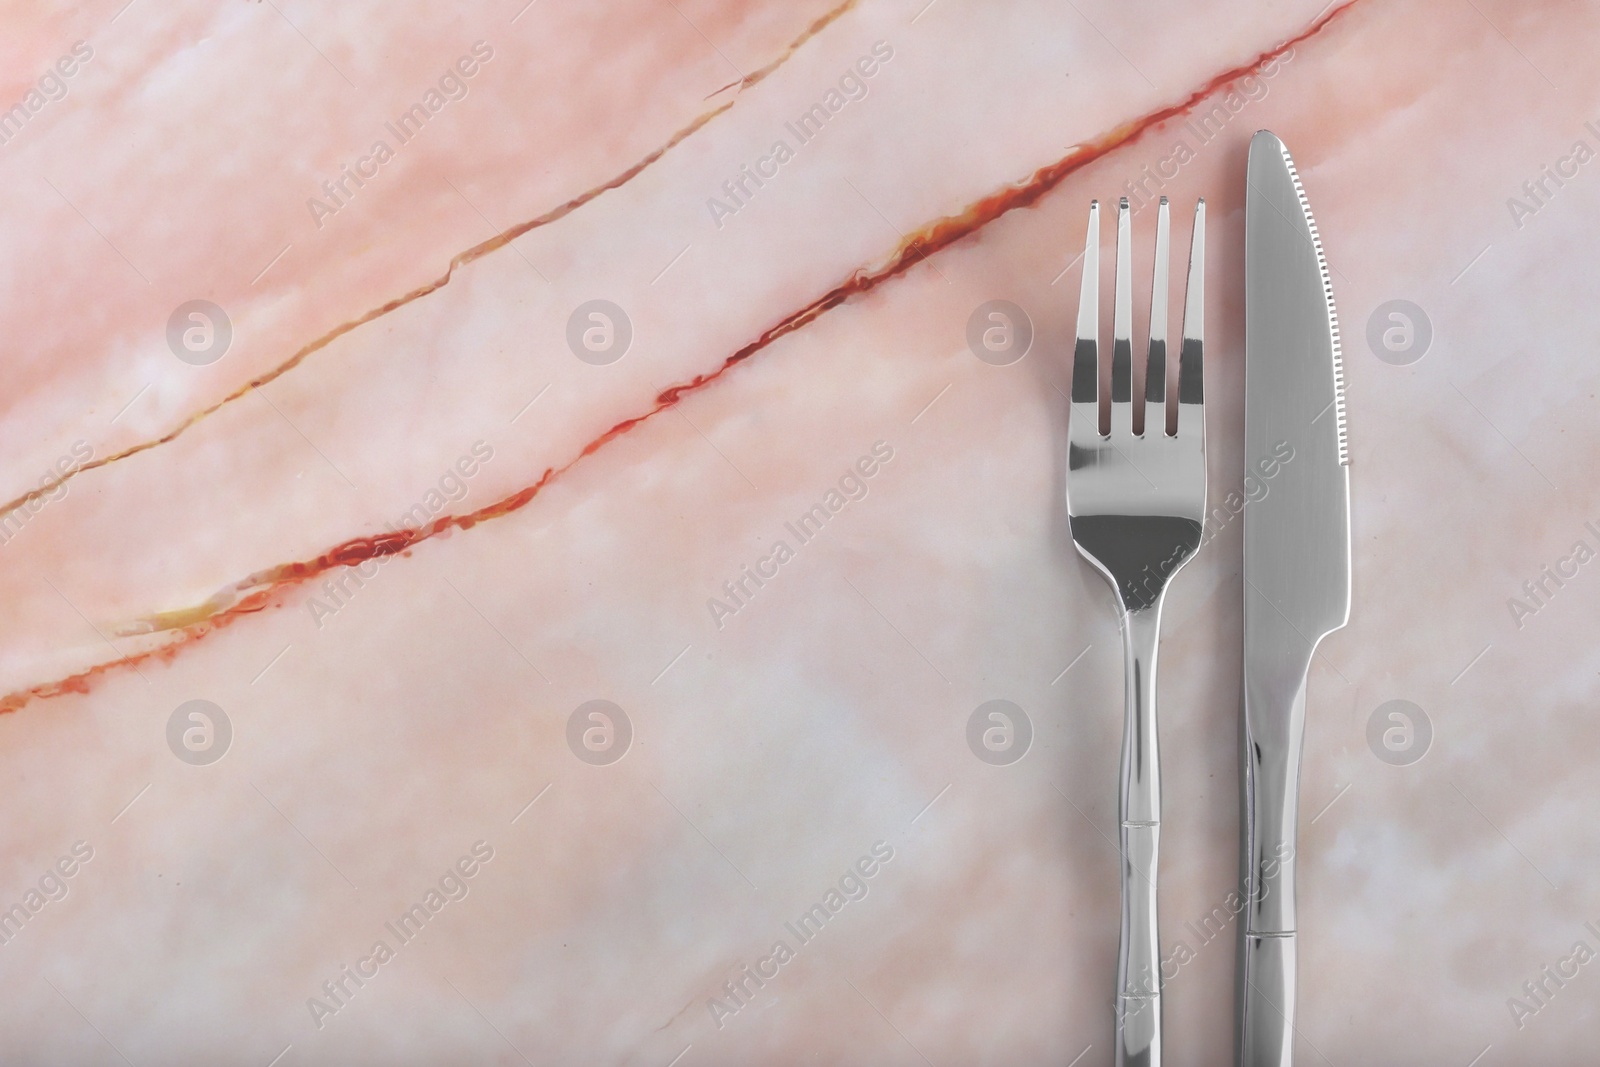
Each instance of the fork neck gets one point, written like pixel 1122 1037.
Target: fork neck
pixel 1140 622
pixel 1141 780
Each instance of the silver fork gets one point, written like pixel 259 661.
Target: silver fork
pixel 1136 503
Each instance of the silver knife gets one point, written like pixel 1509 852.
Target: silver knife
pixel 1296 569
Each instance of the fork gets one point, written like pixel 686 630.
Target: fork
pixel 1136 502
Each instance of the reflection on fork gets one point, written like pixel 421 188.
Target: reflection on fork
pixel 1136 503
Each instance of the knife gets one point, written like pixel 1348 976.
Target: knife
pixel 1296 570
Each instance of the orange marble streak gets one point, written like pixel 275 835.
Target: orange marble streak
pixel 262 588
pixel 461 259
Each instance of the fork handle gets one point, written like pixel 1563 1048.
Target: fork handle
pixel 1138 1035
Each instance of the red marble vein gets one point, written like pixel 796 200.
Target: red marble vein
pixel 461 259
pixel 266 588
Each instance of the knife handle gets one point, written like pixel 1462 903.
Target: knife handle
pixel 1138 1004
pixel 1266 1004
pixel 1273 729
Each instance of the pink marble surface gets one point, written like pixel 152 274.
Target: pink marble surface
pixel 398 731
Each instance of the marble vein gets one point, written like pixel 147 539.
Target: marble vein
pixel 258 591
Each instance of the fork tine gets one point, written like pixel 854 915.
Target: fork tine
pixel 1155 378
pixel 1084 424
pixel 1122 328
pixel 1191 360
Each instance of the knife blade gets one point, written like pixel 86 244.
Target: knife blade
pixel 1296 569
